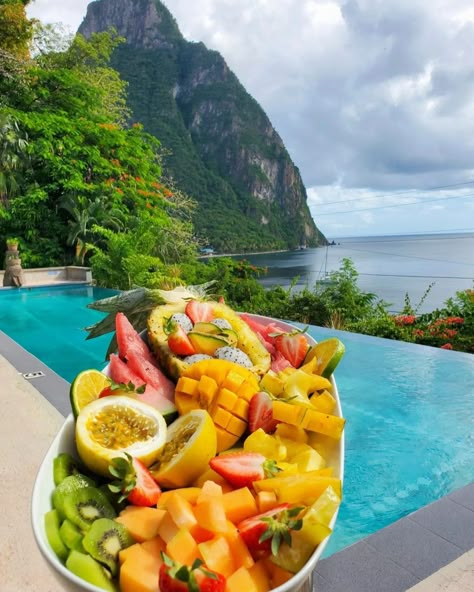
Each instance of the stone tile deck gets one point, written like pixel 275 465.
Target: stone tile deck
pixel 431 550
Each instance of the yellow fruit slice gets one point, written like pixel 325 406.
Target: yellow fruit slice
pixel 85 388
pixel 191 442
pixel 328 353
pixel 115 425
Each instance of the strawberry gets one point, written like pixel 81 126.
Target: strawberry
pixel 264 533
pixel 293 346
pixel 175 577
pixel 178 340
pixel 241 469
pixel 261 414
pixel 120 388
pixel 134 481
pixel 199 311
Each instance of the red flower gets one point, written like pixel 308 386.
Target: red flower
pixel 447 346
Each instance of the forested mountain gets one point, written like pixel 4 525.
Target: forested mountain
pixel 223 150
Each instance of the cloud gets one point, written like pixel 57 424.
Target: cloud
pixel 368 95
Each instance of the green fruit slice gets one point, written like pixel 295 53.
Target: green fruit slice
pixel 87 568
pixel 51 527
pixel 206 343
pixel 85 388
pixel 328 353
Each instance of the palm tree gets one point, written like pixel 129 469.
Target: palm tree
pixel 84 215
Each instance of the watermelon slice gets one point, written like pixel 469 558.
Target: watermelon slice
pixel 150 373
pixel 128 339
pixel 119 372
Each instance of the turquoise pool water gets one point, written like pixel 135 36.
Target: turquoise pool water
pixel 49 323
pixel 409 408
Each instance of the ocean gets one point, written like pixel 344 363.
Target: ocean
pixel 388 266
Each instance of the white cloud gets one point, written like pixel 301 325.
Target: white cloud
pixel 370 96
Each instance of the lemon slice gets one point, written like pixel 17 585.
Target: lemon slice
pixel 115 425
pixel 85 388
pixel 191 442
pixel 328 353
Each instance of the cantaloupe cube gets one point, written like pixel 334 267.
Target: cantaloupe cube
pixel 181 512
pixel 138 573
pixel 141 522
pixel 266 500
pixel 278 575
pixel 260 576
pixel 209 489
pixel 240 553
pixel 217 555
pixel 154 546
pixel 189 493
pixel 240 580
pixel 134 552
pixel 183 548
pixel 210 514
pixel 239 504
pixel 211 475
pixel 167 529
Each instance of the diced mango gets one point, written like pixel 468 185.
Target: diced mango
pixel 188 386
pixel 324 402
pixel 207 390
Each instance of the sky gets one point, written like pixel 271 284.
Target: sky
pixel 374 100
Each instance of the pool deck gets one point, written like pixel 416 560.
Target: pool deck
pixel 431 550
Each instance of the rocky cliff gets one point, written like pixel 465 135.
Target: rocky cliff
pixel 223 150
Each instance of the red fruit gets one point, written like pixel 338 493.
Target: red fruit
pixel 261 414
pixel 128 339
pixel 178 340
pixel 199 311
pixel 148 371
pixel 175 577
pixel 134 482
pixel 279 362
pixel 264 533
pixel 293 346
pixel 241 469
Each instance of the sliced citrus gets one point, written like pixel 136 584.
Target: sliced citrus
pixel 191 442
pixel 328 353
pixel 86 388
pixel 115 425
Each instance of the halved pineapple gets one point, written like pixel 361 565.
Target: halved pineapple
pixel 174 366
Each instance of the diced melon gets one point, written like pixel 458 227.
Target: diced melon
pixel 240 553
pixel 168 528
pixel 266 500
pixel 240 580
pixel 181 512
pixel 217 555
pixel 183 548
pixel 260 576
pixel 138 573
pixel 141 522
pixel 239 504
pixel 211 475
pixel 209 489
pixel 278 575
pixel 189 493
pixel 210 514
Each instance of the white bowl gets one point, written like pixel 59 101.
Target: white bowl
pixel 64 442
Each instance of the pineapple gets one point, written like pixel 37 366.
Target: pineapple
pixel 175 366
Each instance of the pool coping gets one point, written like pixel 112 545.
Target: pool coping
pixel 427 551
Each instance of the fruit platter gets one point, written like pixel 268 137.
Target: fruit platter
pixel 207 455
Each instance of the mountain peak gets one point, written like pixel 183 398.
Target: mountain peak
pixel 143 23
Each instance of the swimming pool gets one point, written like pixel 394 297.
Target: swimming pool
pixel 49 322
pixel 409 408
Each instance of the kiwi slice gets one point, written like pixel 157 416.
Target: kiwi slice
pixel 103 541
pixel 71 535
pixel 52 528
pixel 83 506
pixel 86 567
pixel 65 465
pixel 67 485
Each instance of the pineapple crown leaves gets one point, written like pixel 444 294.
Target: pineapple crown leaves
pixel 126 477
pixel 279 528
pixel 186 574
